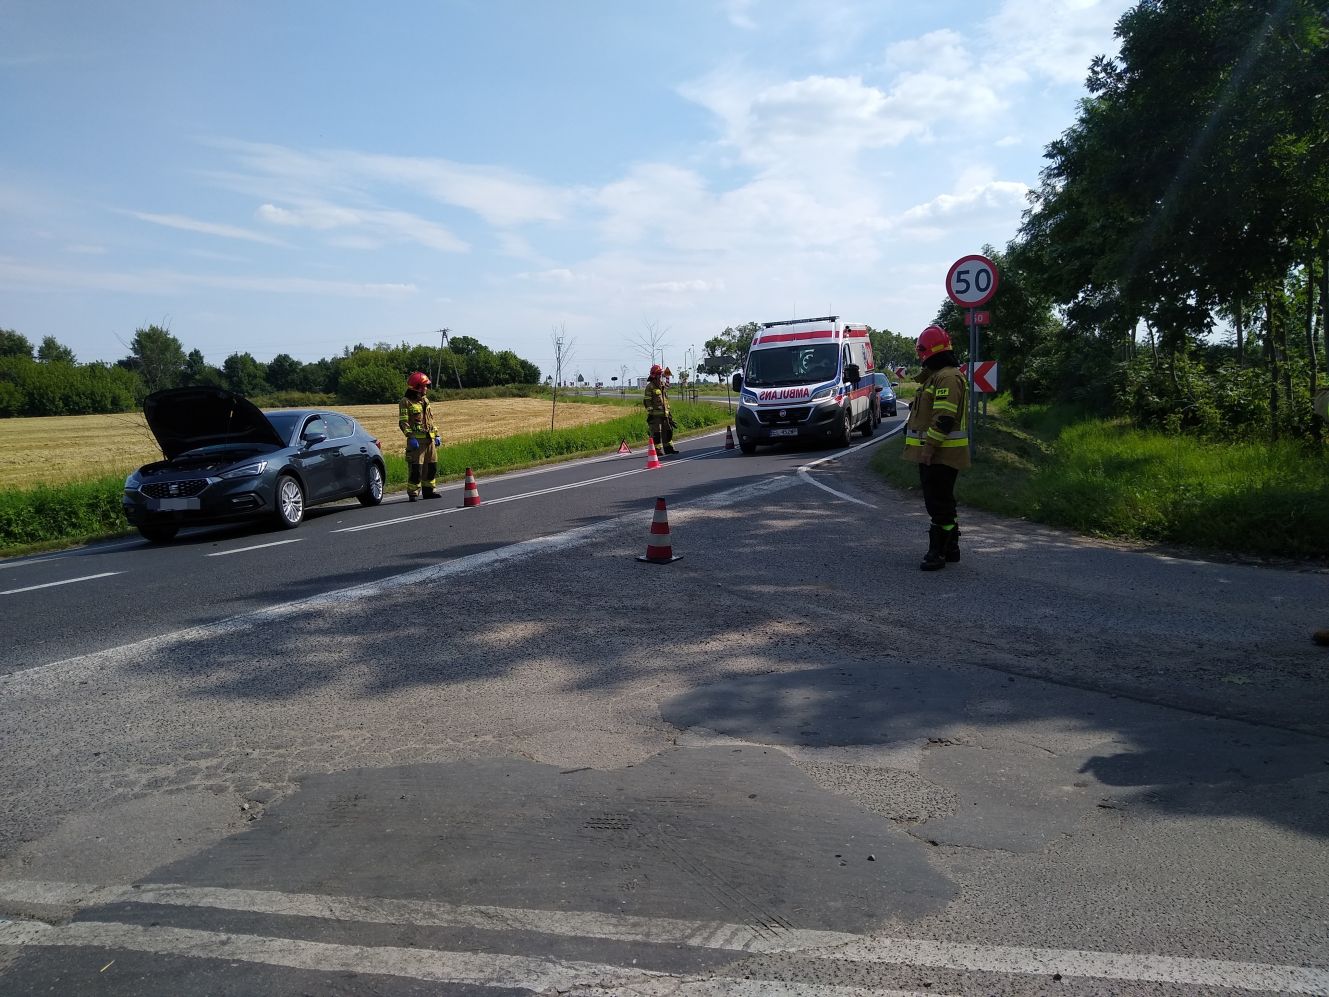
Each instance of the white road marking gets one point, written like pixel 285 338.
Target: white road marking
pixel 241 550
pixel 433 965
pixel 52 674
pixel 67 581
pixel 809 479
pixel 733 987
pixel 625 928
pixel 1086 964
pixel 534 973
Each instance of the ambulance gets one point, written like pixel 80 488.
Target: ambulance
pixel 806 379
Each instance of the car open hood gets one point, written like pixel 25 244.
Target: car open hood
pixel 184 419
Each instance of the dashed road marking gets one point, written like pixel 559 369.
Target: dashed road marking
pixel 67 581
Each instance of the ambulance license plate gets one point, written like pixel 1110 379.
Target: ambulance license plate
pixel 784 432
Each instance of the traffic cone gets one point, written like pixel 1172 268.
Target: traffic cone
pixel 623 446
pixel 471 493
pixel 652 458
pixel 729 438
pixel 659 550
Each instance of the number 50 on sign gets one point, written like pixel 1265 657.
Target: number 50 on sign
pixel 972 281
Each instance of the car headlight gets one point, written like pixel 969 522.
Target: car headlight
pixel 131 482
pixel 825 392
pixel 749 400
pixel 248 471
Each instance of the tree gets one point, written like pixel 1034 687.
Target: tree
pixel 12 344
pixel 650 342
pixel 733 342
pixel 52 350
pixel 369 379
pixel 158 358
pixel 199 372
pixel 283 372
pixel 244 375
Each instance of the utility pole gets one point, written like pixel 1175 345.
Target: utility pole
pixel 456 368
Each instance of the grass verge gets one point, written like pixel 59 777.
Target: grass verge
pixel 1104 478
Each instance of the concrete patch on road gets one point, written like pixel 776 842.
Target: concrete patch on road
pixel 733 835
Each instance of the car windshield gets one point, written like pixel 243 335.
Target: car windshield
pixel 792 365
pixel 284 422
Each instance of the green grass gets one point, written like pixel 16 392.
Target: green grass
pixel 1107 479
pixel 50 516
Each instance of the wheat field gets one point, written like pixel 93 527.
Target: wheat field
pixel 60 449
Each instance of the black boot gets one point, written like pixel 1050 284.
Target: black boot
pixel 953 545
pixel 935 558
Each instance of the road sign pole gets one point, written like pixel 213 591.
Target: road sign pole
pixel 972 400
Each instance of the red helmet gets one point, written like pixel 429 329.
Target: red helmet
pixel 418 381
pixel 933 340
pixel 655 370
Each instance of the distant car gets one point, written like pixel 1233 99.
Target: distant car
pixel 885 392
pixel 227 460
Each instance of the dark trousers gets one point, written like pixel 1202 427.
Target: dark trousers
pixel 938 483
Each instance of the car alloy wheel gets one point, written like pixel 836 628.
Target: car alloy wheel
pixel 290 502
pixel 373 493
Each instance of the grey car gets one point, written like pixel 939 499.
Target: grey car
pixel 228 460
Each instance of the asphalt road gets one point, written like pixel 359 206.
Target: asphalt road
pixel 422 749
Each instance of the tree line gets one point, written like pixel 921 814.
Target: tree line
pixel 49 380
pixel 1173 264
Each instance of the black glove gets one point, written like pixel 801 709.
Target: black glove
pixel 672 423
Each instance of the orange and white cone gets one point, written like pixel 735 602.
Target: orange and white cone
pixel 652 458
pixel 729 437
pixel 659 549
pixel 471 494
pixel 623 446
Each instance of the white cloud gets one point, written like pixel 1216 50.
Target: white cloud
pixel 739 13
pixel 1053 40
pixel 557 275
pixel 684 286
pixel 186 224
pixel 994 206
pixel 501 197
pixel 29 277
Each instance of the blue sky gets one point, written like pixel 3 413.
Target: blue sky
pixel 298 177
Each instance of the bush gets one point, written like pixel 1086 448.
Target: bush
pixel 62 512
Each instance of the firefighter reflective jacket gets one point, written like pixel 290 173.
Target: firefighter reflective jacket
pixel 416 418
pixel 942 394
pixel 657 405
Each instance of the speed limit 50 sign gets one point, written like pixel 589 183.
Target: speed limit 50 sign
pixel 972 281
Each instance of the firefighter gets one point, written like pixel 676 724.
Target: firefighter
pixel 658 419
pixel 937 439
pixel 416 419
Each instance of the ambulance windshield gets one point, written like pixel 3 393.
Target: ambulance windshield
pixel 792 365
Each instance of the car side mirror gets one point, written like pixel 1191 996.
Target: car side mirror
pixel 851 373
pixel 736 382
pixel 312 438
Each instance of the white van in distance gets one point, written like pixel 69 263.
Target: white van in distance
pixel 806 379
